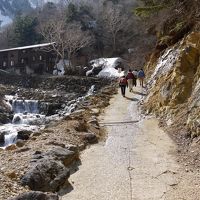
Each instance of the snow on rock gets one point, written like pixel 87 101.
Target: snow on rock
pixel 164 64
pixel 59 68
pixel 107 67
pixel 109 72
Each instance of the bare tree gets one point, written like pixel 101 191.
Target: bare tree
pixel 5 34
pixel 66 39
pixel 114 21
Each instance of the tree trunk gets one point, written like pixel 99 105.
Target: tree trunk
pixel 69 58
pixel 114 43
pixel 70 67
pixel 64 65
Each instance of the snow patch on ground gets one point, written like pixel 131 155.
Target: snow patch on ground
pixel 59 68
pixel 109 72
pixel 107 66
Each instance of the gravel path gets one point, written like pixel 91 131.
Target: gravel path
pixel 135 163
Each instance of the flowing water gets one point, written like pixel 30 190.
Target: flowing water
pixel 27 116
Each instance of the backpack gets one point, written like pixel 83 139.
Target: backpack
pixel 123 81
pixel 141 74
pixel 130 75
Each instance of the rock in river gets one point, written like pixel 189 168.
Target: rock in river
pixel 2 138
pixel 24 135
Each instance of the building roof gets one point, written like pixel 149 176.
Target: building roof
pixel 28 47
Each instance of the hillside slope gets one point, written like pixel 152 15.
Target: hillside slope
pixel 10 8
pixel 173 72
pixel 175 82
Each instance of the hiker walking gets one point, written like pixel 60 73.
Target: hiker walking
pixel 130 78
pixel 135 73
pixel 141 76
pixel 123 84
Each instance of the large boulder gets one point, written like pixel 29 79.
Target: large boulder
pixel 24 135
pixel 16 120
pixel 4 118
pixel 36 196
pixel 49 108
pixel 2 138
pixel 89 138
pixel 5 111
pixel 62 154
pixel 20 143
pixel 81 126
pixel 47 176
pixel 12 147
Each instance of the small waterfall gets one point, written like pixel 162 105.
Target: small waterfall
pixel 25 106
pixel 90 91
pixel 27 117
pixel 11 132
pixel 27 112
pixel 73 104
pixel 10 138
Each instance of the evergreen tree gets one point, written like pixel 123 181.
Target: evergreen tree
pixel 151 7
pixel 25 31
pixel 71 13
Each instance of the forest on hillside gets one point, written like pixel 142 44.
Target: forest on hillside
pixel 47 121
pixel 126 28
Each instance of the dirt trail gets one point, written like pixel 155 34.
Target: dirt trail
pixel 135 163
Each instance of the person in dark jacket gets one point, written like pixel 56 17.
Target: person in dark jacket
pixel 123 84
pixel 130 77
pixel 135 73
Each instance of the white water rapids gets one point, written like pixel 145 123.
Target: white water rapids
pixel 27 116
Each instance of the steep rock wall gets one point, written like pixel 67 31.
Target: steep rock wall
pixel 174 84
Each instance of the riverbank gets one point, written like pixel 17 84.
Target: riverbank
pixel 60 141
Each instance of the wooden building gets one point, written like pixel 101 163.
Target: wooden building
pixel 34 59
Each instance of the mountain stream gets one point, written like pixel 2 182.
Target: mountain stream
pixel 29 116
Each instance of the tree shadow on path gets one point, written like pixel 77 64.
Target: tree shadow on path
pixel 139 93
pixel 132 99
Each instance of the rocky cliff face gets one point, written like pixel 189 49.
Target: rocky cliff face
pixel 174 85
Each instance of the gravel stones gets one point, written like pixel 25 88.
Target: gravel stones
pixel 36 196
